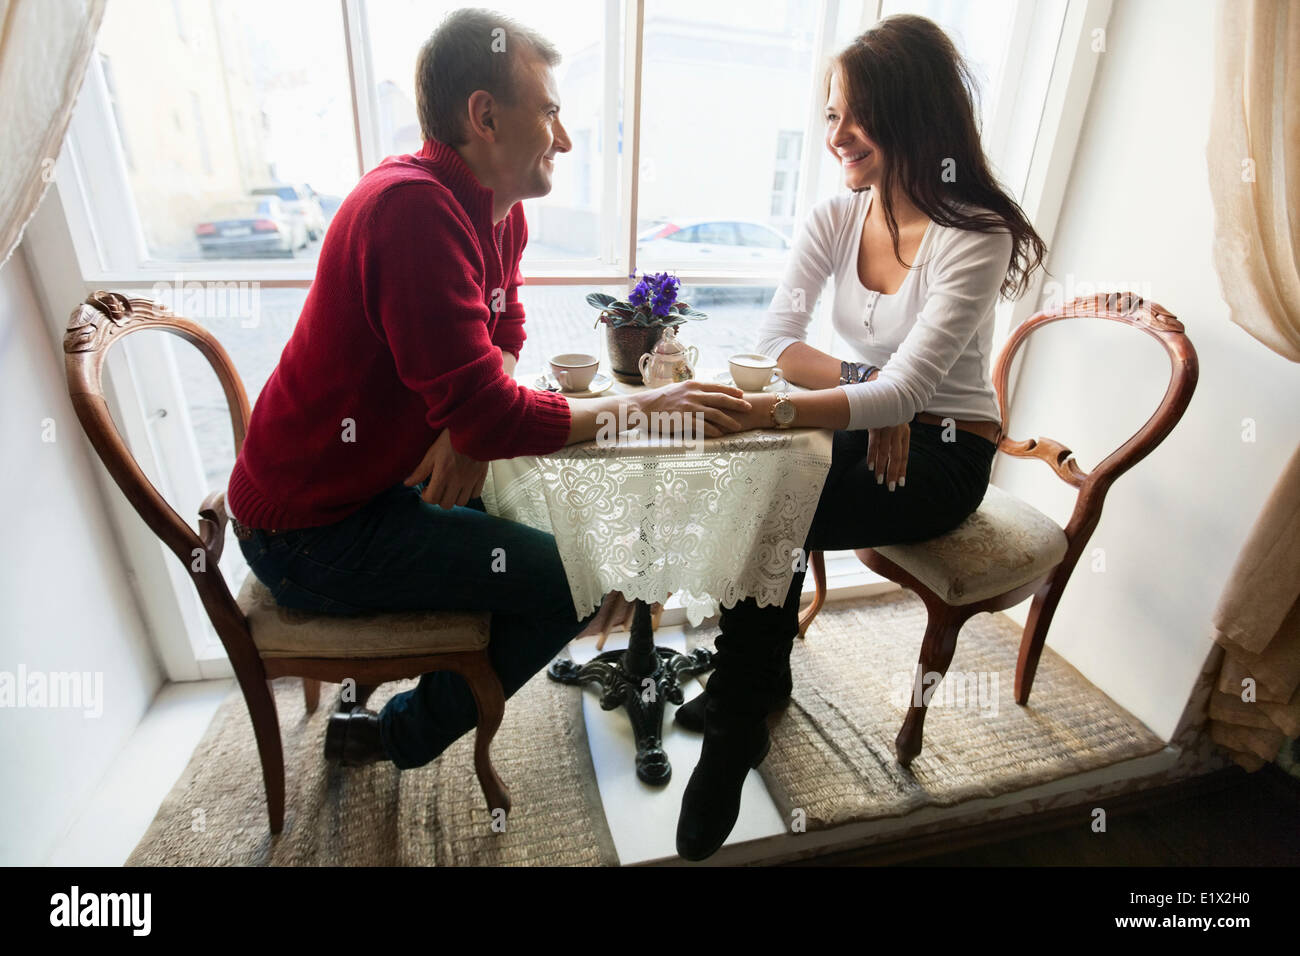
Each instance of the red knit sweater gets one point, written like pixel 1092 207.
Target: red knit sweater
pixel 415 293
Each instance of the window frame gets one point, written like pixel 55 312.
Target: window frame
pixel 104 243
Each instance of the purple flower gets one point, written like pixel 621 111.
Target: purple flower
pixel 658 290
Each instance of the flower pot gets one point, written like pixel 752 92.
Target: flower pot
pixel 626 346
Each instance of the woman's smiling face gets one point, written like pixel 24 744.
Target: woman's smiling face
pixel 857 155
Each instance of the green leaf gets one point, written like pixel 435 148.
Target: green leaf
pixel 600 300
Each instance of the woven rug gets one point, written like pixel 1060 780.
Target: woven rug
pixel 376 815
pixel 832 751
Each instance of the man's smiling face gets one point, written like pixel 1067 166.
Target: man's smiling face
pixel 530 132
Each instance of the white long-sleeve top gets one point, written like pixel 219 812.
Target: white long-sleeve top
pixel 932 339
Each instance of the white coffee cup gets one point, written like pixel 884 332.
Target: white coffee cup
pixel 753 372
pixel 573 371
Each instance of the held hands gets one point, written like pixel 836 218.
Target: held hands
pixel 887 450
pixel 723 406
pixel 453 478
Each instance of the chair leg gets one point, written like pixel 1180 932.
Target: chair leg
pixel 941 629
pixel 311 693
pixel 266 729
pixel 819 597
pixel 490 698
pixel 1034 636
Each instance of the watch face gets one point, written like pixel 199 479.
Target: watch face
pixel 783 412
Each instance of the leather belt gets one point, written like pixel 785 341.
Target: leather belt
pixel 989 431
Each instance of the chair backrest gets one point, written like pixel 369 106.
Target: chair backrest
pixel 94 327
pixel 1137 313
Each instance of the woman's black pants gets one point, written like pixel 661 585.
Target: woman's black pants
pixel 945 482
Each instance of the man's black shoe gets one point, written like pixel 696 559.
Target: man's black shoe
pixel 352 738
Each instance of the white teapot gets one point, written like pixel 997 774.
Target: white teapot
pixel 669 362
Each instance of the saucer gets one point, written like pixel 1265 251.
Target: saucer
pixel 780 385
pixel 599 385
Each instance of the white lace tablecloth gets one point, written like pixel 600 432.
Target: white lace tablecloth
pixel 713 523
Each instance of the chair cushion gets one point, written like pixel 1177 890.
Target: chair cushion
pixel 1003 545
pixel 288 632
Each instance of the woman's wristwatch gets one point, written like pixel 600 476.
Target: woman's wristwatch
pixel 782 412
pixel 853 372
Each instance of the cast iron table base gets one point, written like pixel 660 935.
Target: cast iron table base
pixel 639 679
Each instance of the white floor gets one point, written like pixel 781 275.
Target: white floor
pixel 127 800
pixel 642 819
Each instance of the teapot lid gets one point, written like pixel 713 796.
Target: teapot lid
pixel 668 344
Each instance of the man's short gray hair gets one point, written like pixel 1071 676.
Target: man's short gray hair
pixel 472 49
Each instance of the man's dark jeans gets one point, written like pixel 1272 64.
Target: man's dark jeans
pixel 400 553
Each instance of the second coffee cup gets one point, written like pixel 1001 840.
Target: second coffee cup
pixel 753 372
pixel 573 371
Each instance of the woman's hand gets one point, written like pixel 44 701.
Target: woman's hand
pixel 887 450
pixel 453 478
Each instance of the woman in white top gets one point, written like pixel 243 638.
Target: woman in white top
pixel 919 249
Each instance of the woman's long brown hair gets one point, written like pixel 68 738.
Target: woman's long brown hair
pixel 913 94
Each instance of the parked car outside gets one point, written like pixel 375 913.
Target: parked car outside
pixel 301 203
pixel 729 244
pixel 248 228
pixel 692 243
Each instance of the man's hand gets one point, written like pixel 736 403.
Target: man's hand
pixel 453 478
pixel 887 450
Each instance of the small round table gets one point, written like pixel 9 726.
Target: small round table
pixel 713 521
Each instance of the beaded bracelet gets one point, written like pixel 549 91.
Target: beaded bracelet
pixel 851 373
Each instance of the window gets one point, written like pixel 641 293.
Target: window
pixel 179 15
pixel 760 237
pixel 785 180
pixel 111 89
pixel 205 155
pixel 214 143
pixel 718 91
pixel 266 84
pixel 716 234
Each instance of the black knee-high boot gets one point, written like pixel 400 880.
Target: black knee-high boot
pixel 751 649
pixel 691 715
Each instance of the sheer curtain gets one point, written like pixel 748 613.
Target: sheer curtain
pixel 44 48
pixel 1254 165
pixel 1254 160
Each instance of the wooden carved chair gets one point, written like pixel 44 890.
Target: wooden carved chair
pixel 264 640
pixel 1007 551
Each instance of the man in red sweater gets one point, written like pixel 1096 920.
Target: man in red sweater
pixel 357 486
